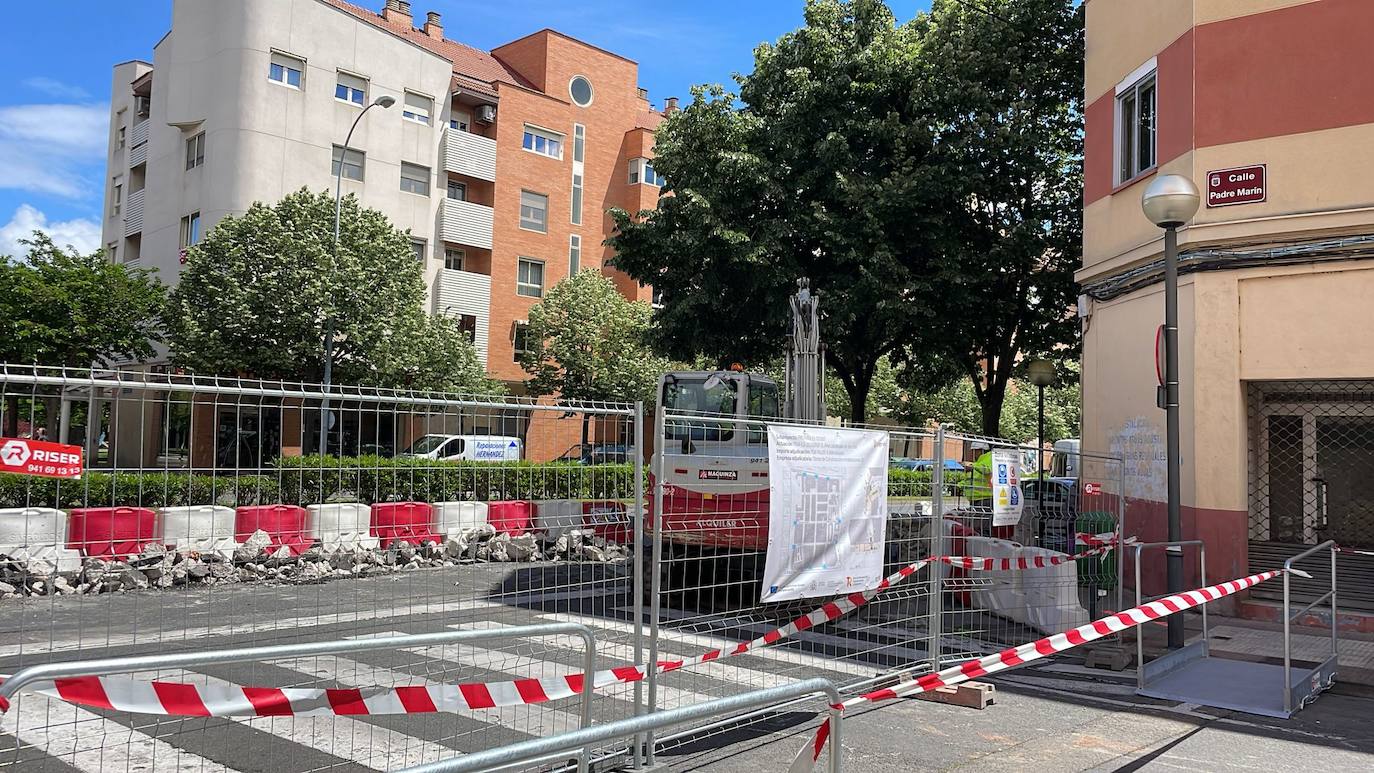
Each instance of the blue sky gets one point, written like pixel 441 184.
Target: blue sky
pixel 54 116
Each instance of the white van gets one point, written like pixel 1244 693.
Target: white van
pixel 473 448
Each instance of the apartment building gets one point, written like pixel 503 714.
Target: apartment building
pixel 1267 106
pixel 501 164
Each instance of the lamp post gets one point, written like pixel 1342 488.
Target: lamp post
pixel 1041 373
pixel 1170 201
pixel 383 102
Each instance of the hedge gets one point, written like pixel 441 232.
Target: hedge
pixel 137 489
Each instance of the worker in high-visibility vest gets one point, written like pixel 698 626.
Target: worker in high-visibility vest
pixel 978 483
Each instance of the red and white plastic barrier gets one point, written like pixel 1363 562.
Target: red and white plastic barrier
pixel 181 699
pixel 1025 653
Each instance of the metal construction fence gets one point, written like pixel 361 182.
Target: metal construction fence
pixel 225 513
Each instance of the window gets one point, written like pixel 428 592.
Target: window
pixel 468 324
pixel 534 212
pixel 286 70
pixel 351 89
pixel 574 254
pixel 457 191
pixel 353 162
pixel 190 230
pixel 459 121
pixel 415 178
pixel 520 339
pixel 454 259
pixel 529 282
pixel 417 108
pixel 120 134
pixel 578 170
pixel 113 251
pixel 117 200
pixel 1136 123
pixel 417 246
pixel 656 297
pixel 543 142
pixel 642 171
pixel 580 89
pixel 195 151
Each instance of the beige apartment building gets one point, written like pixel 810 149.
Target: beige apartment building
pixel 1267 105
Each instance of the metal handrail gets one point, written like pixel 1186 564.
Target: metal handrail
pixel 1177 545
pixel 1288 615
pixel 105 666
pixel 535 748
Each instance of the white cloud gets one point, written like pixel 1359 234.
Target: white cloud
pixel 81 233
pixel 56 88
pixel 47 148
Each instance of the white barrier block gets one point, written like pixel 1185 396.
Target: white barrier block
pixel 450 518
pixel 202 528
pixel 37 533
pixel 1005 594
pixel 1052 594
pixel 343 527
pixel 556 517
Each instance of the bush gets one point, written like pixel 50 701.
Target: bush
pixel 371 479
pixel 137 489
pixel 902 482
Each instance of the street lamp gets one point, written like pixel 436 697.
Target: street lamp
pixel 1170 201
pixel 383 102
pixel 1041 373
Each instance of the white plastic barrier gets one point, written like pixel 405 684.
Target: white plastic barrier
pixel 556 517
pixel 1052 594
pixel 450 518
pixel 1004 593
pixel 200 528
pixel 37 533
pixel 342 527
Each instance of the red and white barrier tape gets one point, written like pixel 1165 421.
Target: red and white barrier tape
pixel 182 699
pixel 1354 552
pixel 1025 653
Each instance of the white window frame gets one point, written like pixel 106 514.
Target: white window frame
pixel 642 172
pixel 544 222
pixel 460 122
pixel 420 249
pixel 455 255
pixel 575 200
pixel 525 288
pixel 574 254
pixel 190 230
pixel 195 151
pixel 338 156
pixel 591 88
pixel 112 252
pixel 285 61
pixel 413 111
pixel 553 140
pixel 414 179
pixel 1127 97
pixel 117 197
pixel 357 89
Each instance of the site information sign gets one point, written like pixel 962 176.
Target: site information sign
pixel 1006 487
pixel 39 457
pixel 827 511
pixel 1241 185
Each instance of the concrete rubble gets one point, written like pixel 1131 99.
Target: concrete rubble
pixel 255 561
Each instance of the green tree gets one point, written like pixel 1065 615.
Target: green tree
pixel 1063 408
pixel 58 307
pixel 1003 85
pixel 822 174
pixel 587 342
pixel 256 294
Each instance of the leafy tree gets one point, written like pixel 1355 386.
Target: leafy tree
pixel 1063 408
pixel 1003 81
pixel 257 293
pixel 58 307
pixel 823 174
pixel 587 342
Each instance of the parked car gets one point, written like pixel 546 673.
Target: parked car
pixel 1053 505
pixel 950 465
pixel 598 453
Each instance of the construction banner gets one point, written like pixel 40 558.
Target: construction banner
pixel 827 511
pixel 1006 487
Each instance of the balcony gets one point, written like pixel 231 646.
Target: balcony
pixel 133 213
pixel 470 154
pixel 458 293
pixel 467 223
pixel 138 144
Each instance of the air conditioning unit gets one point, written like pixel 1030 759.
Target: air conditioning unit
pixel 486 113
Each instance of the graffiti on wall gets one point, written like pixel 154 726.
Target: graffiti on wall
pixel 1140 442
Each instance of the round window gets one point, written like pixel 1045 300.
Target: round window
pixel 581 90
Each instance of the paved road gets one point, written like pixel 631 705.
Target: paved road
pixel 1043 717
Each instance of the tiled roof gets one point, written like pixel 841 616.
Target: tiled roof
pixel 471 62
pixel 648 119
